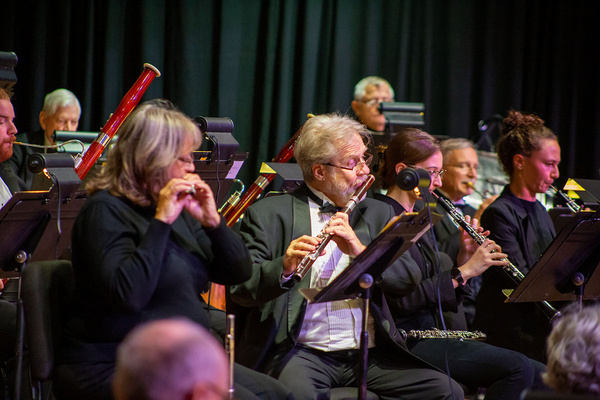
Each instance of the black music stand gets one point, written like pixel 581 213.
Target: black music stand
pixel 398 115
pixel 218 160
pixel 287 179
pixel 567 271
pixel 27 233
pixel 356 280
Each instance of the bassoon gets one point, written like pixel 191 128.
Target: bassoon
pixel 85 161
pixel 234 210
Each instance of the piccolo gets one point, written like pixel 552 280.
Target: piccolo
pixel 574 207
pixel 513 272
pixel 311 257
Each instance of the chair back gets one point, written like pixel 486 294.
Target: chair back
pixel 47 289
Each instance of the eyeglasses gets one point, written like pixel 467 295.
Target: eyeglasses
pixel 186 160
pixel 375 102
pixel 365 162
pixel 434 174
pixel 466 166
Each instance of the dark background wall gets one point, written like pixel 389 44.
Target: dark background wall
pixel 266 64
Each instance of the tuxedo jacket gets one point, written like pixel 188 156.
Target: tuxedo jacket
pixel 447 233
pixel 10 179
pixel 273 312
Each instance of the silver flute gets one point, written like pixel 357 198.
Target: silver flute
pixel 513 272
pixel 311 257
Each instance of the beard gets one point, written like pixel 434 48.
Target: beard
pixel 341 189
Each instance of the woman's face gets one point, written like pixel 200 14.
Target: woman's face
pixel 433 165
pixel 184 164
pixel 541 168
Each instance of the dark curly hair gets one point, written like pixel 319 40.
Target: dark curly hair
pixel 521 134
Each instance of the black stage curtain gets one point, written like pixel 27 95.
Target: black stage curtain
pixel 266 64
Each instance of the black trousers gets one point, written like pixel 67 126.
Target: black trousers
pixel 311 374
pixel 504 373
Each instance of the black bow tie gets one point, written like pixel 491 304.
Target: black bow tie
pixel 329 208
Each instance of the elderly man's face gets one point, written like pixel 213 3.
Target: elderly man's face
pixel 64 119
pixel 8 130
pixel 461 168
pixel 369 114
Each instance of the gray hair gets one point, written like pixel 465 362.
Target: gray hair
pixel 361 87
pixel 321 138
pixel 59 98
pixel 574 351
pixel 449 145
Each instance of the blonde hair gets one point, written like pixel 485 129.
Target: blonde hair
pixel 4 94
pixel 150 141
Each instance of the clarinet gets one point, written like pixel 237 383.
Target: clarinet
pixel 311 257
pixel 513 272
pixel 574 207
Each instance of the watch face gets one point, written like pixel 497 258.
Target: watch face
pixel 456 274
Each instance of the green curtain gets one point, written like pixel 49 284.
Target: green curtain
pixel 266 64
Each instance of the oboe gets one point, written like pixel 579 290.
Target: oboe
pixel 513 272
pixel 311 257
pixel 574 207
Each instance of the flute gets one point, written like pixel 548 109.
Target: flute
pixel 513 272
pixel 311 257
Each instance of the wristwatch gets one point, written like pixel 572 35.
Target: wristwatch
pixel 456 274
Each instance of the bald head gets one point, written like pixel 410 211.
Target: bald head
pixel 170 359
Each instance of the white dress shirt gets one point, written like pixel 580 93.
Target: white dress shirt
pixel 333 325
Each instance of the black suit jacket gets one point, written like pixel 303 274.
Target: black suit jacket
pixel 10 179
pixel 522 325
pixel 18 161
pixel 274 312
pixel 447 234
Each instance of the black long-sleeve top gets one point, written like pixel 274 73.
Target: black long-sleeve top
pixel 130 268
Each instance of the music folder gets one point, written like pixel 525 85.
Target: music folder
pixel 576 249
pixel 393 240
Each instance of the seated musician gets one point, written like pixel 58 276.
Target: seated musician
pixel 313 348
pixel 529 153
pixel 461 164
pixel 574 351
pixel 423 282
pixel 9 183
pixel 144 245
